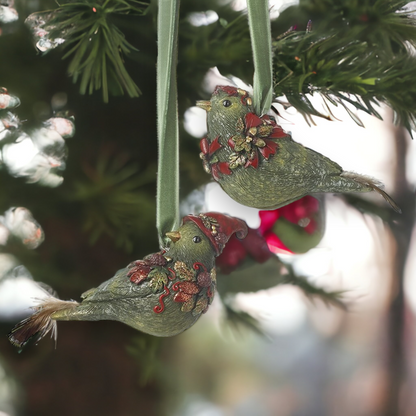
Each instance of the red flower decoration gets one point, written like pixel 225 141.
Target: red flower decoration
pixel 260 244
pixel 204 279
pixel 186 291
pixel 300 212
pixel 220 167
pixel 210 165
pixel 139 272
pixel 255 136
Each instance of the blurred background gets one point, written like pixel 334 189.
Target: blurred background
pixel 87 209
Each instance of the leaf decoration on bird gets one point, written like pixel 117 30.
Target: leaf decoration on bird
pixel 286 170
pixel 254 138
pixel 94 41
pixel 163 295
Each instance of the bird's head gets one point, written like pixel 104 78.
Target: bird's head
pixel 202 237
pixel 189 244
pixel 226 106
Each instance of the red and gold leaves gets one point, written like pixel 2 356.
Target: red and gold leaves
pixel 207 148
pixel 194 287
pixel 255 137
pixel 204 279
pixel 252 120
pixel 155 259
pixel 214 146
pixel 195 295
pixel 220 168
pixel 190 288
pixel 209 161
pixel 200 307
pixel 204 146
pixel 277 133
pixel 269 149
pixel 183 271
pixel 159 278
pixel 213 275
pixel 240 126
pixel 186 290
pixel 141 268
pixel 253 160
pixel 139 272
pixel 188 305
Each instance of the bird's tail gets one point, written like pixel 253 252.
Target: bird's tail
pixel 40 323
pixel 374 185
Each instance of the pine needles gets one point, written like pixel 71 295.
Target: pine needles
pixel 95 43
pixel 364 58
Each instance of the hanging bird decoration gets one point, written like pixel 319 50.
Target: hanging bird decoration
pixel 259 165
pixel 163 295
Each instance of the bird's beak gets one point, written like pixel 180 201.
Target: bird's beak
pixel 174 236
pixel 205 105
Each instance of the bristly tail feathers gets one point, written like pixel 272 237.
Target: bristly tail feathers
pixel 374 184
pixel 40 323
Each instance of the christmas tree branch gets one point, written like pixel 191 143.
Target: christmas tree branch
pixel 334 298
pixel 167 208
pixel 96 44
pixel 260 33
pixel 362 59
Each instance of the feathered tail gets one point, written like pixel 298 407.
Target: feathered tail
pixel 41 322
pixel 374 185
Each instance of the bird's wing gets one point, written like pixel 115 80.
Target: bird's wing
pixel 115 288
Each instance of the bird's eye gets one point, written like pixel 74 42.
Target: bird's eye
pixel 196 239
pixel 226 103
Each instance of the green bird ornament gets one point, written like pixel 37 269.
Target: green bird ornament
pixel 259 165
pixel 163 295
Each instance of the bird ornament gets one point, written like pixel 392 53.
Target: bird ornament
pixel 258 164
pixel 163 295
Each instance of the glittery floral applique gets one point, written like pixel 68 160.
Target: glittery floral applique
pixel 193 287
pixel 255 137
pixel 210 161
pixel 183 272
pixel 159 277
pixel 197 295
pixel 140 269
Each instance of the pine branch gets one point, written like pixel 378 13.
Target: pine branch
pixel 240 319
pixel 367 207
pixel 385 23
pixel 224 44
pixel 145 350
pixel 114 200
pixel 361 62
pixel 95 43
pixel 333 298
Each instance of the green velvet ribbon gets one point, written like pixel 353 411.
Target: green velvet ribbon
pixel 167 204
pixel 261 44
